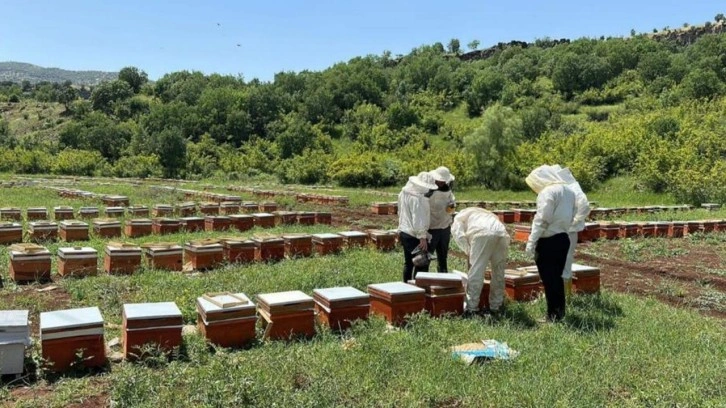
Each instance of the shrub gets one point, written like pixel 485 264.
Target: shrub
pixel 139 166
pixel 308 168
pixel 366 170
pixel 77 162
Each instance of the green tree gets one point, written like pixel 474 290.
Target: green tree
pixel 702 83
pixel 485 88
pixel 454 47
pixel 104 96
pixel 133 76
pixel 473 45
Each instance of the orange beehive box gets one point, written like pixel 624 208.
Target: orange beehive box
pixel 107 228
pixel 393 205
pixel 708 226
pixel 323 218
pixel 10 213
pixel 71 230
pixel 327 243
pixel 238 250
pixel 115 212
pixel 77 261
pixel 444 292
pixel 381 209
pixel 186 209
pixel 721 226
pixel 395 300
pixel 338 307
pixel 298 245
pixel 122 259
pixel 164 226
pixel 647 230
pixel 204 255
pixel 138 211
pixel 217 223
pixel 521 232
pixel 226 319
pixel 585 279
pixel 209 208
pixel 692 227
pixel 65 333
pixel 88 212
pixel 269 248
pixel 264 220
pixel 10 232
pixel 628 230
pixel 287 314
pixel 506 216
pixel 162 210
pixel 115 200
pixel 156 324
pixel 306 218
pixel 36 213
pixel 661 229
pixel 229 207
pixel 242 222
pixel 29 263
pixel 522 284
pixel 285 217
pixel 267 207
pixel 609 230
pixel 439 305
pixel 676 229
pixel 352 239
pixel 524 215
pixel 164 256
pixel 192 224
pixel 590 233
pixel 62 213
pixel 250 207
pixel 138 227
pixel 483 296
pixel 42 231
pixel 383 240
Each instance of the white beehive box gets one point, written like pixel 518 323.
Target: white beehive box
pixel 14 337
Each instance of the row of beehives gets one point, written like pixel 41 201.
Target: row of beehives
pixel 614 230
pixel 32 262
pixel 73 230
pixel 299 197
pixel 230 320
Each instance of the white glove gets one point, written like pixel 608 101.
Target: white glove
pixel 529 250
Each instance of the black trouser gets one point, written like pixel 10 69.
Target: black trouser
pixel 550 257
pixel 440 239
pixel 410 243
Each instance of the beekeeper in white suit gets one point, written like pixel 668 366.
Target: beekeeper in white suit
pixel 414 219
pixel 485 240
pixel 549 240
pixel 578 223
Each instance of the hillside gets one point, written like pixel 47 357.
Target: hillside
pixel 20 71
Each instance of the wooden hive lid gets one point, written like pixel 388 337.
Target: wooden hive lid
pixel 240 216
pixel 340 296
pixel 285 302
pixel 392 290
pixel 158 310
pixel 521 276
pixel 585 270
pixel 37 209
pixel 352 234
pixel 13 320
pixel 10 225
pixel 325 236
pixel 65 252
pixel 262 215
pixel 106 222
pixel 163 206
pixel 139 221
pixel 62 208
pixel 225 305
pixel 70 319
pixel 115 209
pixel 88 209
pixel 447 280
pixel 166 221
pixel 28 249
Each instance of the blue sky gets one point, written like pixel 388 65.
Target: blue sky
pixel 260 38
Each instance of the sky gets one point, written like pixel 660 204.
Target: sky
pixel 257 39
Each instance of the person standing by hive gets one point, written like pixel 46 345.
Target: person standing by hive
pixel 578 223
pixel 414 220
pixel 442 204
pixel 549 241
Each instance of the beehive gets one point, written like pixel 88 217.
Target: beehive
pixel 65 333
pixel 382 208
pixel 107 228
pixel 77 261
pixel 395 300
pixel 36 213
pixel 209 208
pixel 676 229
pixel 192 224
pixel 323 218
pixel 186 209
pixel 10 214
pixel 162 210
pixel 505 216
pixel 306 218
pixel 62 213
pixel 267 207
pixel 338 307
pixel 264 220
pixel 238 250
pixel 14 337
pixel 521 284
pixel 138 211
pixel 114 212
pixel 352 239
pixel 42 231
pixel 138 227
pixel 242 222
pixel 229 207
pixel 287 314
pixel 204 254
pixel 29 263
pixel 10 232
pixel 524 215
pixel 609 230
pixel 646 230
pixel 217 223
pixel 166 256
pixel 585 279
pixel 661 229
pixel 383 240
pixel 152 324
pixel 121 258
pixel 298 245
pixel 115 200
pixel 444 292
pixel 708 226
pixel 285 217
pixel 327 243
pixel 164 226
pixel 88 212
pixel 522 232
pixel 71 230
pixel 628 230
pixel 250 207
pixel 269 248
pixel 226 319
pixel 591 232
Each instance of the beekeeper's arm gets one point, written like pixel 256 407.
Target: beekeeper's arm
pixel 458 231
pixel 542 219
pixel 582 211
pixel 421 212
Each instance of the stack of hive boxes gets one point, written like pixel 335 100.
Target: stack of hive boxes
pixel 327 243
pixel 444 292
pixel 64 333
pixel 107 228
pixel 77 261
pixel 71 230
pixel 396 300
pixel 14 337
pixel 121 258
pixel 204 254
pixel 483 296
pixel 138 227
pixel 339 307
pixel 287 314
pixel 226 319
pixel 29 262
pixel 156 324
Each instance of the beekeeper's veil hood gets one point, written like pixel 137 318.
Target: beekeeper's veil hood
pixel 542 177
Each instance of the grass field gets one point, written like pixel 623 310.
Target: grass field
pixel 620 348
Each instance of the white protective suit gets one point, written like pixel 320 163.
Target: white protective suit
pixel 555 205
pixel 414 211
pixel 484 239
pixel 438 202
pixel 578 223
